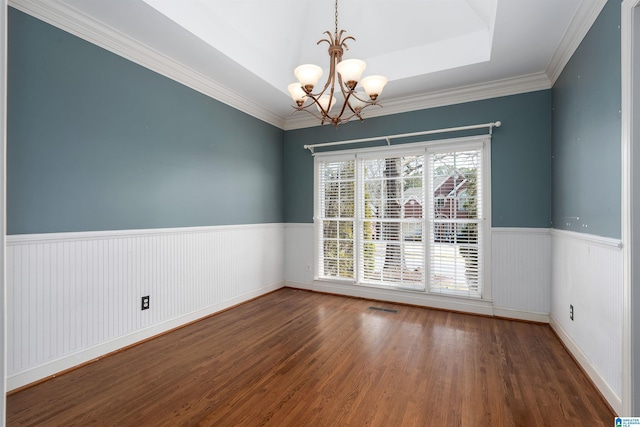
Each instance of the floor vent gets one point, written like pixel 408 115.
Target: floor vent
pixel 388 310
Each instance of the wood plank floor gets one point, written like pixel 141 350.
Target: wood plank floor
pixel 297 358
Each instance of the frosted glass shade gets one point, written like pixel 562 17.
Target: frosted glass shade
pixel 351 70
pixel 355 102
pixel 324 101
pixel 308 75
pixel 297 93
pixel 373 85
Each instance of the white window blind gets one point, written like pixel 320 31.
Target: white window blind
pixel 336 217
pixel 391 221
pixel 455 259
pixel 407 217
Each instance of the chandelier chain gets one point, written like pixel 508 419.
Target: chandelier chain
pixel 336 31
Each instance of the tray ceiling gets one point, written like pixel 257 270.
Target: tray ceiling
pixel 243 52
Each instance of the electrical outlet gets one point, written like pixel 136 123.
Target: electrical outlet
pixel 571 311
pixel 145 303
pixel 309 267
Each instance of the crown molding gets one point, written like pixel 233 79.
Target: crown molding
pixel 81 25
pixel 586 15
pixel 478 92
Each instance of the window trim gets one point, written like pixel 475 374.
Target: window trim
pixel 483 141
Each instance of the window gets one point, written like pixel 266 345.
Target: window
pixel 395 253
pixel 455 258
pixel 408 217
pixel 337 211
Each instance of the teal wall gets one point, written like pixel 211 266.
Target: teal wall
pixel 520 154
pixel 96 142
pixel 586 165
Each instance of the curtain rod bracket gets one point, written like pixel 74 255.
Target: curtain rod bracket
pixel 388 140
pixel 492 125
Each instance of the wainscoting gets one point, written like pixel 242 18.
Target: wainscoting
pixel 587 273
pixel 73 297
pixel 520 275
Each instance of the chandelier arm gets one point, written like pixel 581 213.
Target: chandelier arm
pixel 317 116
pixel 354 111
pixel 355 95
pixel 339 39
pixel 355 114
pixel 336 120
pixel 344 44
pixel 369 104
pixel 346 95
pixel 324 89
pixel 317 95
pixel 324 113
pixel 331 40
pixel 344 106
pixel 358 111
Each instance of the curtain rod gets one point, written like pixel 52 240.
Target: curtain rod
pixel 388 138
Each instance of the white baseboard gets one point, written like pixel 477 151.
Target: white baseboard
pixel 412 298
pixel 528 316
pixel 53 367
pixel 484 308
pixel 607 392
pixel 465 305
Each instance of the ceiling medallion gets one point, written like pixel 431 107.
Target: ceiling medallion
pixel 343 74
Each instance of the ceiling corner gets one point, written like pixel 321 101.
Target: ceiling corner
pixel 67 19
pixel 584 18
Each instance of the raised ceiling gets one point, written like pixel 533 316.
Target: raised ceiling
pixel 243 52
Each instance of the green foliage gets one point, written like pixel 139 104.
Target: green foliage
pixel 414 182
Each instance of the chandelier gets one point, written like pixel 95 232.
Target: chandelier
pixel 343 79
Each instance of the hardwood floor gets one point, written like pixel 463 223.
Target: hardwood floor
pixel 297 358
